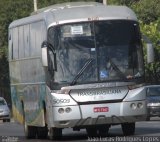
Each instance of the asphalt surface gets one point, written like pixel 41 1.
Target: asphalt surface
pixel 148 131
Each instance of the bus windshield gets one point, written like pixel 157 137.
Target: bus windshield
pixel 111 49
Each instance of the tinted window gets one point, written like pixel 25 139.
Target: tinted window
pixel 113 46
pixel 2 102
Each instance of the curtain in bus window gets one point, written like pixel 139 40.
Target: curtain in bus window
pixel 21 42
pixel 15 43
pixel 35 38
pixel 26 41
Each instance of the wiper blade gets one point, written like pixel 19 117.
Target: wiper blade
pixel 81 71
pixel 120 73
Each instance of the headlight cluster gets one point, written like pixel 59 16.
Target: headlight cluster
pixel 64 110
pixel 136 105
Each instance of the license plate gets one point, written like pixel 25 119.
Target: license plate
pixel 101 109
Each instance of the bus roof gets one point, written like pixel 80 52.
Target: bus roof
pixel 77 11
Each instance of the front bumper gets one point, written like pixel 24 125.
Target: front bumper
pixel 84 115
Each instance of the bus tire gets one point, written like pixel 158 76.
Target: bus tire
pixel 92 131
pixel 128 128
pixel 8 120
pixel 55 133
pixel 148 118
pixel 103 130
pixel 42 132
pixel 4 120
pixel 30 131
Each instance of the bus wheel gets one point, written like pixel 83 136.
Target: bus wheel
pixel 148 118
pixel 8 120
pixel 4 120
pixel 55 133
pixel 30 131
pixel 103 130
pixel 128 128
pixel 92 131
pixel 42 132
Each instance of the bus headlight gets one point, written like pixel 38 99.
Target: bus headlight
pixel 133 106
pixel 140 105
pixel 68 110
pixel 61 110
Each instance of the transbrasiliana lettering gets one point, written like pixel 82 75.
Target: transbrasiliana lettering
pixel 99 92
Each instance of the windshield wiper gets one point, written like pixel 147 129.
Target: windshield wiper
pixel 120 73
pixel 81 71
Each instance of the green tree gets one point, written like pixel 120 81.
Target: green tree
pixel 152 32
pixel 122 2
pixel 147 10
pixel 10 10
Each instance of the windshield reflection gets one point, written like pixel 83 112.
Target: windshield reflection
pixel 114 46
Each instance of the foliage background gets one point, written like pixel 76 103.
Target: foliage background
pixel 148 13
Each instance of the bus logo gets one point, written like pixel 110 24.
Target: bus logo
pixel 99 92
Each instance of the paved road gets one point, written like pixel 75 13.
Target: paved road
pixel 13 132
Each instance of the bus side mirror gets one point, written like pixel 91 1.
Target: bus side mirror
pixel 150 49
pixel 44 54
pixel 150 53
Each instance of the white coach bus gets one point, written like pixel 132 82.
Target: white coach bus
pixel 77 65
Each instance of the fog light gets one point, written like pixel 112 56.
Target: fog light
pixel 68 109
pixel 61 110
pixel 140 105
pixel 133 106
